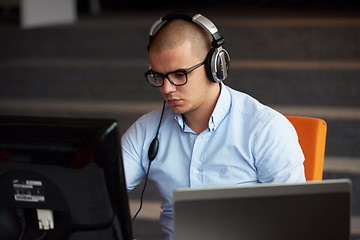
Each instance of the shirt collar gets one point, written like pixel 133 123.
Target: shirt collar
pixel 221 108
pixel 220 111
pixel 180 121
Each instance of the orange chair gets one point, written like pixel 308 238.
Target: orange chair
pixel 312 138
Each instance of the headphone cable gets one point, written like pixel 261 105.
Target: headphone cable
pixel 142 193
pixel 153 149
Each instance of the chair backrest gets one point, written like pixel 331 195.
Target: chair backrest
pixel 312 139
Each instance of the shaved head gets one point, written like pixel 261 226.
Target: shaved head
pixel 176 32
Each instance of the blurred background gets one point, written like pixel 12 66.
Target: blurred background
pixel 86 58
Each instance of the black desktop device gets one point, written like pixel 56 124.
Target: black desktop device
pixel 62 178
pixel 310 210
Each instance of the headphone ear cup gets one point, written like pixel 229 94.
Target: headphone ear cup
pixel 220 64
pixel 217 64
pixel 208 64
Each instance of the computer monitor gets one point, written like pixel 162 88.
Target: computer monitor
pixel 66 171
pixel 269 211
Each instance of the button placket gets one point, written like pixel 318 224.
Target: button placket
pixel 197 159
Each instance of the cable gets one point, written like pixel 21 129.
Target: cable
pixel 142 193
pixel 20 213
pixel 152 152
pixel 154 145
pixel 42 236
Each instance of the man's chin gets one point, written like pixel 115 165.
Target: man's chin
pixel 178 110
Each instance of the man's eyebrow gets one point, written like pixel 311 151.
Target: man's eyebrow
pixel 156 72
pixel 177 70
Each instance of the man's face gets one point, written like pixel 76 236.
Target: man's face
pixel 192 96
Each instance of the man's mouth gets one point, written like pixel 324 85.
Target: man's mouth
pixel 173 102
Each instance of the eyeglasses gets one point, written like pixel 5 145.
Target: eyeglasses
pixel 177 77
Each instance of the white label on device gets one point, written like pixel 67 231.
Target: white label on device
pixel 28 191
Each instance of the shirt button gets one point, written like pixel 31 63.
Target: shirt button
pixel 196 172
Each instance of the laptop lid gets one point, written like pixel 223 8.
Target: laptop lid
pixel 271 211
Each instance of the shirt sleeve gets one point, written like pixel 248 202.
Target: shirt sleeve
pixel 278 155
pixel 131 144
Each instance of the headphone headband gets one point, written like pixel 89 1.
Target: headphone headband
pixel 198 19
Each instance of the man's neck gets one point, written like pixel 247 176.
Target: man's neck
pixel 198 120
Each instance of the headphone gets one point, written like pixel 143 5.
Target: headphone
pixel 217 62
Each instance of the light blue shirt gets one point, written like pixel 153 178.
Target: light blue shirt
pixel 246 142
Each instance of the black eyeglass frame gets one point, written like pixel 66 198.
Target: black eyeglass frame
pixel 166 75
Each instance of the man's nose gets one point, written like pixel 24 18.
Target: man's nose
pixel 168 87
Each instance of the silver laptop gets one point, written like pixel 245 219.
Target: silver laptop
pixel 311 210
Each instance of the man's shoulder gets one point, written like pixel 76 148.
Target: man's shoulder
pixel 248 104
pixel 252 109
pixel 145 124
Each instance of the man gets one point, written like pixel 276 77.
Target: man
pixel 208 133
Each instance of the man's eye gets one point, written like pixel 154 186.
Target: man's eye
pixel 179 74
pixel 157 75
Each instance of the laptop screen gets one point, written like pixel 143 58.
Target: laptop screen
pixel 310 210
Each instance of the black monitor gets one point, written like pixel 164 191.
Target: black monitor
pixel 68 173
